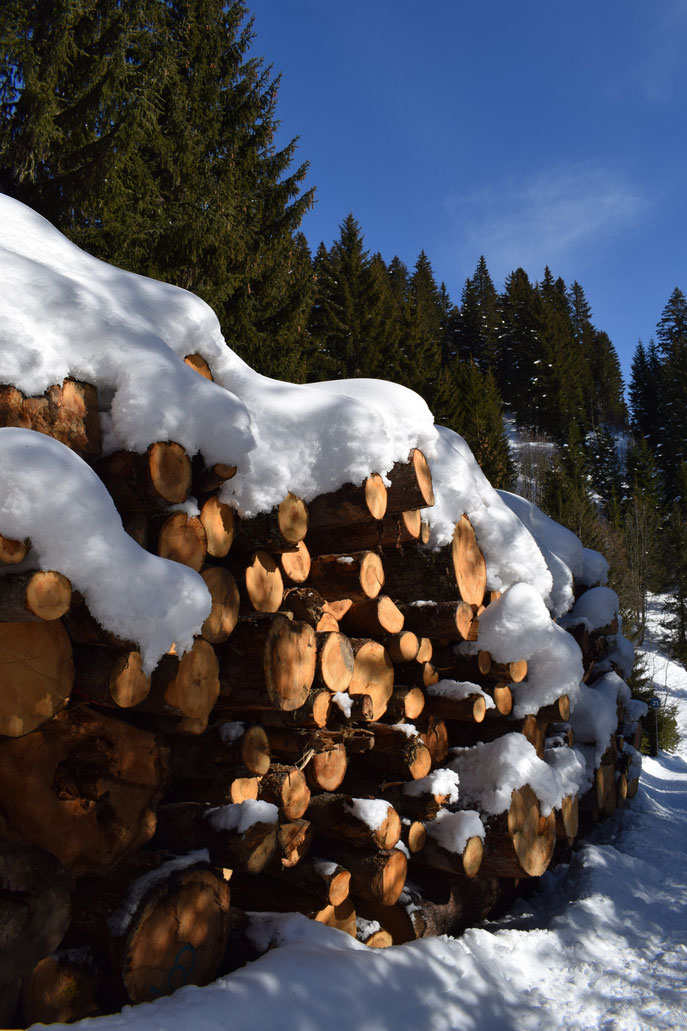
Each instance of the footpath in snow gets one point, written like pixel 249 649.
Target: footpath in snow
pixel 601 945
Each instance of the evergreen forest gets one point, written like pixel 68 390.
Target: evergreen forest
pixel 145 131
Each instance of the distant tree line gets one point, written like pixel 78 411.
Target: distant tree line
pixel 145 131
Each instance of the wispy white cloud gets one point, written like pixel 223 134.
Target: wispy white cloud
pixel 561 211
pixel 661 61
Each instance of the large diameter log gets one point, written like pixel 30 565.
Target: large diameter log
pixel 66 412
pixel 164 922
pixel 148 482
pixel 375 617
pixel 11 551
pixel 521 842
pixel 449 620
pixel 217 520
pixel 84 787
pixel 373 674
pixel 358 576
pixel 36 674
pixel 263 583
pixel 43 595
pixel 349 505
pixel 61 989
pixel 112 677
pixel 410 484
pixel 242 836
pixel 224 613
pixel 362 821
pixel 35 907
pixel 390 532
pixel 186 686
pixel 275 531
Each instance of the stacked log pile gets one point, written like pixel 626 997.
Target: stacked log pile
pixel 295 759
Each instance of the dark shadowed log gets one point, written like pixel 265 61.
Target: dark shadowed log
pixel 36 674
pixel 470 710
pixel 110 676
pixel 225 604
pixel 567 819
pixel 278 896
pixel 84 787
pixel 66 412
pixel 435 856
pixel 556 712
pixel 365 822
pixel 217 519
pixel 327 882
pixel 275 531
pixel 413 835
pixel 209 478
pixel 43 595
pixel 358 576
pixel 217 753
pixel 147 482
pixel 375 617
pixel 162 920
pixel 390 532
pixel 219 829
pixel 465 734
pixel 397 755
pixel 35 907
pixel 450 620
pixel 321 755
pixel 349 505
pixel 61 988
pixel 420 674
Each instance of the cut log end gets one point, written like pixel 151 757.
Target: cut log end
pixel 292 517
pixel 225 604
pixel 375 496
pixel 295 565
pixel 199 365
pixel 219 525
pixel 468 563
pixel 533 835
pixel 264 584
pixel 12 551
pixel 170 471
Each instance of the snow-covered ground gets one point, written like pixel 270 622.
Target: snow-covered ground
pixel 602 944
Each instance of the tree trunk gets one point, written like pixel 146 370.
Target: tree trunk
pixel 349 505
pixel 110 676
pixel 520 843
pixel 365 822
pixel 411 484
pixel 450 620
pixel 275 531
pixel 375 617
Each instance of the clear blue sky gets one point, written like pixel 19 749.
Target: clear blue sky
pixel 535 133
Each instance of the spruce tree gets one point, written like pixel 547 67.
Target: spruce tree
pixel 672 394
pixel 520 360
pixel 476 412
pixel 145 132
pixel 423 331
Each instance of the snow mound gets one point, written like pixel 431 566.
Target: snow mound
pixel 452 831
pixel 596 608
pixel 52 496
